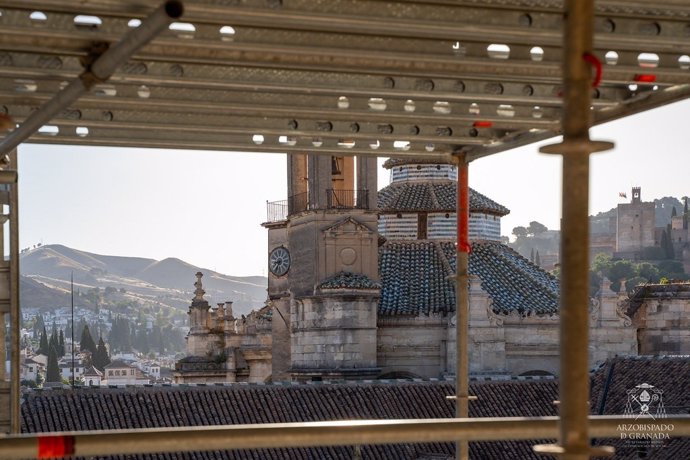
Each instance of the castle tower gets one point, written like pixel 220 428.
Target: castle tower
pixel 635 222
pixel 323 276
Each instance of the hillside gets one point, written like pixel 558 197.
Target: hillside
pixel 169 283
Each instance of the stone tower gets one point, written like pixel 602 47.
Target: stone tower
pixel 635 222
pixel 323 273
pixel 197 340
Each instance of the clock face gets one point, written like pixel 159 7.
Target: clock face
pixel 279 261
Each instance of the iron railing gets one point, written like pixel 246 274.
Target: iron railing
pixel 276 210
pixel 335 199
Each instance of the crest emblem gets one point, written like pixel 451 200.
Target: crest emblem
pixel 645 401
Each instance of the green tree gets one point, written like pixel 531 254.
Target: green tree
pixel 672 269
pixel 670 252
pixel 620 269
pixel 39 325
pixel 101 357
pixel 520 232
pixel 43 344
pixel 86 343
pixel 537 260
pixel 602 263
pixel 536 228
pixel 53 371
pixel 61 344
pixel 648 272
pixel 54 342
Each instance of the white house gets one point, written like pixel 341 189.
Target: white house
pixel 92 377
pixel 120 373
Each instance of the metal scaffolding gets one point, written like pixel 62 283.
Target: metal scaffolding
pixel 437 79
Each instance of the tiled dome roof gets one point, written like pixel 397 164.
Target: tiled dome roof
pixel 440 196
pixel 347 280
pixel 392 162
pixel 413 276
pixel 415 279
pixel 513 282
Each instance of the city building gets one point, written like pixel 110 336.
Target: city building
pixel 92 377
pixel 121 373
pixel 358 291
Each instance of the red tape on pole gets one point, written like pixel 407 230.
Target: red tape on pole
pixel 463 209
pixel 596 63
pixel 55 446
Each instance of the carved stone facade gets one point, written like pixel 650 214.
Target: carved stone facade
pixel 222 348
pixel 359 293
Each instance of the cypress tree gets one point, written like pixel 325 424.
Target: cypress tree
pixel 531 255
pixel 43 346
pixel 664 243
pixel 61 344
pixel 670 252
pixel 53 343
pixel 53 371
pixel 537 261
pixel 86 343
pixel 38 325
pixel 101 357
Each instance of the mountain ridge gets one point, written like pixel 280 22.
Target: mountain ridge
pixel 168 282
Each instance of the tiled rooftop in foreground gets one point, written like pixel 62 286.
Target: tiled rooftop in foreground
pixel 149 407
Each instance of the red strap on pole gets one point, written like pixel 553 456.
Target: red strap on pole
pixel 596 63
pixel 55 446
pixel 463 208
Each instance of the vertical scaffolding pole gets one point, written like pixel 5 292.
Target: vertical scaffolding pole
pixel 574 312
pixel 15 323
pixel 462 303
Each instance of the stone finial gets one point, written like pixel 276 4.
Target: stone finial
pixel 199 292
pixel 228 309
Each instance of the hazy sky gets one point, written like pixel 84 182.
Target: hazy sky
pixel 206 207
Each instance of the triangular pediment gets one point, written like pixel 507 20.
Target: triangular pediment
pixel 348 225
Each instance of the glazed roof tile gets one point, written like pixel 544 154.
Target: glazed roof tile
pixel 513 282
pixel 432 196
pixel 392 162
pixel 348 280
pixel 154 407
pixel 415 279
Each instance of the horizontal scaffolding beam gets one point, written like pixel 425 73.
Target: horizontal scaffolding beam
pixel 311 434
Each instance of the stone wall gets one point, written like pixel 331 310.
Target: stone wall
pixel 333 332
pixel 662 316
pixel 412 346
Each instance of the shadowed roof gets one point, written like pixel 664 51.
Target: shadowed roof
pixel 416 279
pixel 432 196
pixel 149 407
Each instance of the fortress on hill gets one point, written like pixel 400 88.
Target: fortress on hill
pixel 361 287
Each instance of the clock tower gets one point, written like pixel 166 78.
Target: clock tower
pixel 323 269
